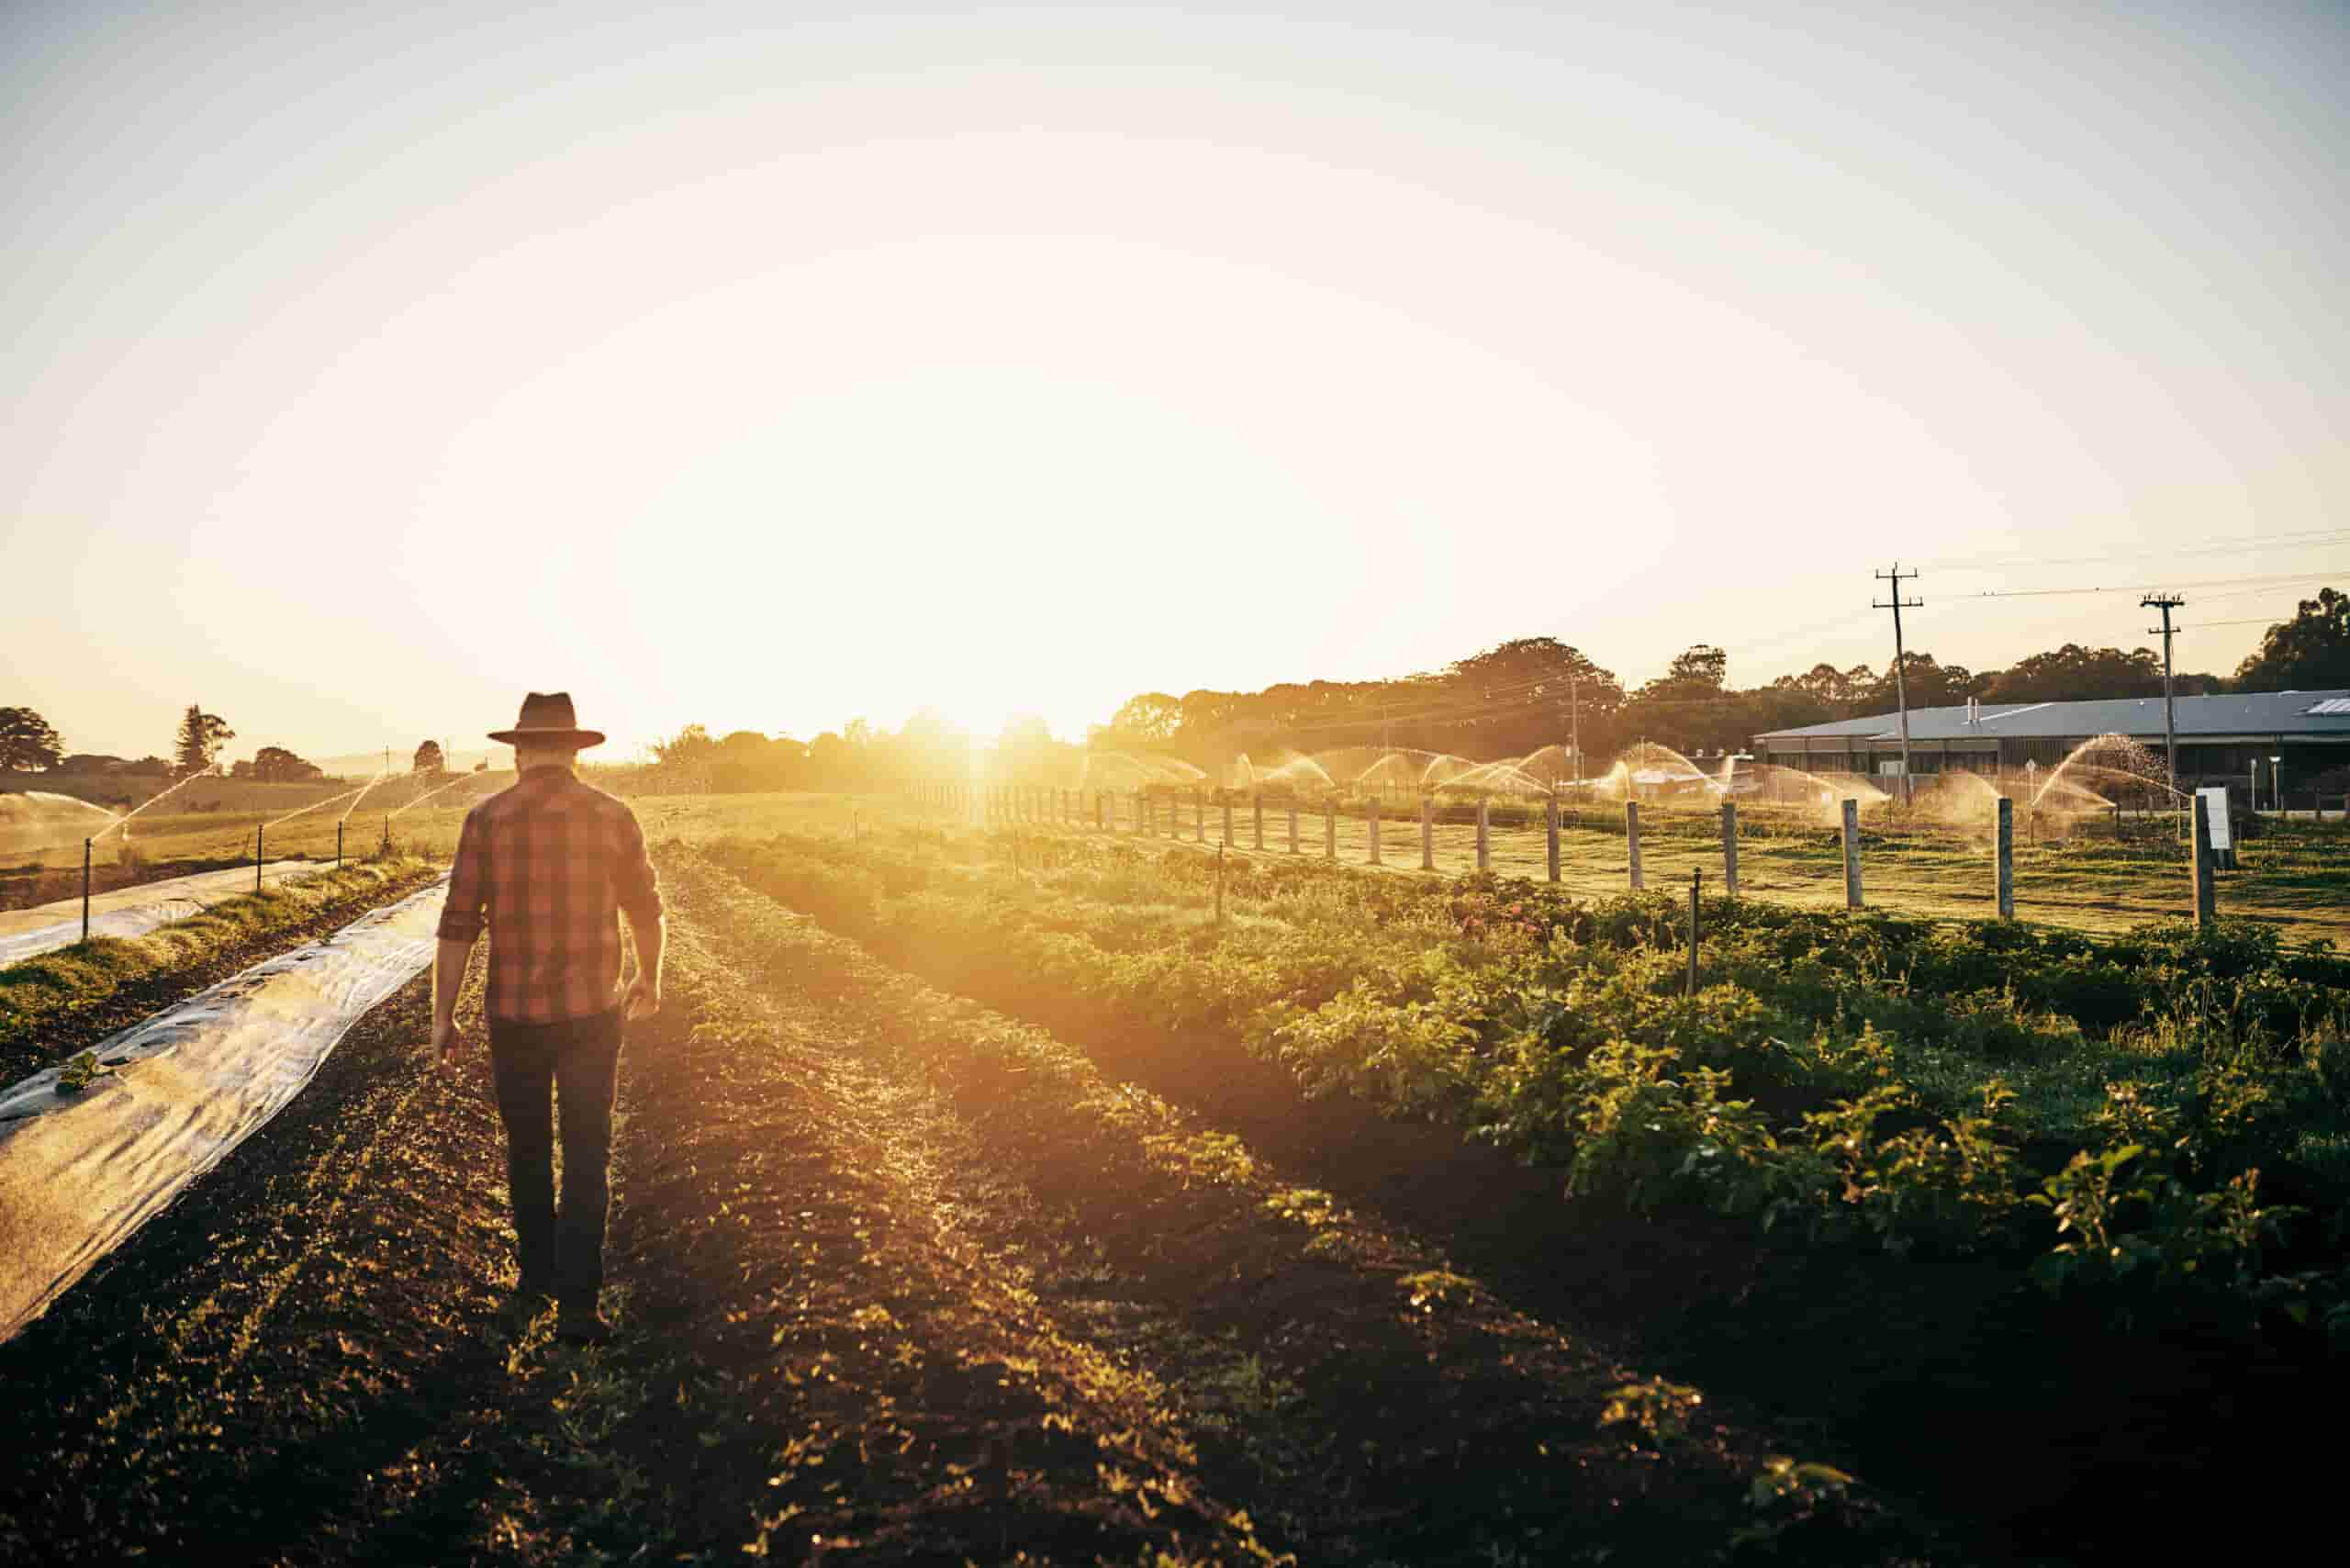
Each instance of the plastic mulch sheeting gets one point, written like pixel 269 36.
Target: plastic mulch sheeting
pixel 131 912
pixel 81 1172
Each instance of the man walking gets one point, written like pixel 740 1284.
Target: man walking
pixel 548 864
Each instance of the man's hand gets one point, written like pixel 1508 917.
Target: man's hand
pixel 642 998
pixel 445 1041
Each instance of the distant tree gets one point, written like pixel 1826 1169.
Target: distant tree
pixel 429 758
pixel 1148 718
pixel 276 765
pixel 91 762
pixel 691 743
pixel 1931 685
pixel 2078 674
pixel 27 742
pixel 201 736
pixel 2309 652
pixel 1840 691
pixel 481 766
pixel 148 765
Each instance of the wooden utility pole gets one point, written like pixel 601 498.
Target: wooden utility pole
pixel 1900 661
pixel 2167 602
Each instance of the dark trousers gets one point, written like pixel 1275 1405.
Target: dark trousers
pixel 578 1062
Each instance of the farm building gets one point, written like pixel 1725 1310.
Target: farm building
pixel 2220 738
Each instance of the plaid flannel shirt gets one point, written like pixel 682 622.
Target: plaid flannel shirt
pixel 548 862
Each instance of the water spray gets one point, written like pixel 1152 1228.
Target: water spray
pixel 123 821
pixel 362 792
pixel 437 789
pixel 314 805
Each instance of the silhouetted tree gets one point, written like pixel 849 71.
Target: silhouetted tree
pixel 276 765
pixel 429 758
pixel 28 741
pixel 2311 652
pixel 201 735
pixel 2078 674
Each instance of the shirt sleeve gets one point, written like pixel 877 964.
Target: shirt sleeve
pixel 636 887
pixel 461 914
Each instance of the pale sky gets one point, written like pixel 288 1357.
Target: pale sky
pixel 767 365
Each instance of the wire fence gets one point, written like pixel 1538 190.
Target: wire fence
pixel 2119 871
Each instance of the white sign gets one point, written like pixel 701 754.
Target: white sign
pixel 2217 795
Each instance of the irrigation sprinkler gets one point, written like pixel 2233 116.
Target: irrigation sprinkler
pixel 1329 827
pixel 1219 886
pixel 1374 828
pixel 1293 826
pixel 1632 844
pixel 1256 810
pixel 1227 815
pixel 338 846
pixel 85 888
pixel 1550 831
pixel 257 831
pixel 1485 829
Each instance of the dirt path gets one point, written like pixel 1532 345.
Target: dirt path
pixel 894 1280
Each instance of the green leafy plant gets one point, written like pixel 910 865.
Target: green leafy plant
pixel 80 1072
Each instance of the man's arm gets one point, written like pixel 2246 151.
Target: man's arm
pixel 644 998
pixel 461 923
pixel 448 978
pixel 639 893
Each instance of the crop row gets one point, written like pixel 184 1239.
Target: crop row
pixel 2157 1112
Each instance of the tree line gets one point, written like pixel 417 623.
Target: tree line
pixel 1536 691
pixel 30 744
pixel 1509 699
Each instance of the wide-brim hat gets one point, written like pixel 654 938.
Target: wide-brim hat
pixel 547 718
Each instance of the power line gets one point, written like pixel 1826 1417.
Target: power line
pixel 2306 538
pixel 2269 580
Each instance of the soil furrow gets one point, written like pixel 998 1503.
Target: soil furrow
pixel 1343 1382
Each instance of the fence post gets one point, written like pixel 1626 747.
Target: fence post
pixel 1632 842
pixel 1373 820
pixel 1484 826
pixel 1257 810
pixel 1427 833
pixel 1729 847
pixel 1695 879
pixel 1329 827
pixel 1550 831
pixel 2207 904
pixel 1851 854
pixel 2007 858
